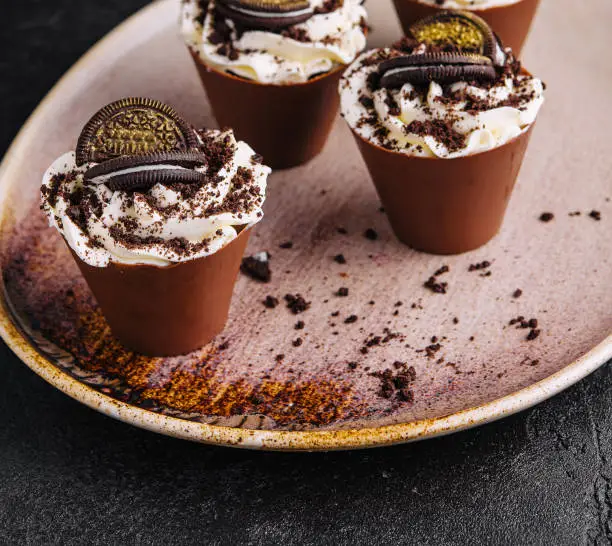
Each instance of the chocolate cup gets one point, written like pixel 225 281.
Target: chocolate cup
pixel 445 206
pixel 511 23
pixel 167 311
pixel 287 124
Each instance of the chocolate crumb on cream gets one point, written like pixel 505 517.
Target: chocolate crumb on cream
pixel 436 98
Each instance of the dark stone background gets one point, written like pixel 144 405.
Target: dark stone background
pixel 69 475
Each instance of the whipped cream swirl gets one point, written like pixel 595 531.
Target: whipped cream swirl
pixel 469 4
pixel 165 224
pixel 332 37
pixel 435 121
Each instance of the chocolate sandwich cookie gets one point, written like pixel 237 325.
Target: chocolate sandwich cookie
pixel 145 179
pixel 444 68
pixel 138 172
pixel 133 126
pixel 460 29
pixel 266 14
pixel 187 160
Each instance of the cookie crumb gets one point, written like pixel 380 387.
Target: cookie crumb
pixel 546 217
pixel 270 302
pixel 296 303
pixel 436 287
pixel 596 215
pixel 480 266
pixel 533 334
pixel 396 383
pixel 370 234
pixel 257 267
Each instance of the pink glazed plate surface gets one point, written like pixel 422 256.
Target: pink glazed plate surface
pixel 269 383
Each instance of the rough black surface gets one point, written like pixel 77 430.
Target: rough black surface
pixel 71 476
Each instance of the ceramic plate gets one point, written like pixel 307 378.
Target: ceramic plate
pixel 267 384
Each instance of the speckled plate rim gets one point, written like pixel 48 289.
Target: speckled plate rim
pixel 19 343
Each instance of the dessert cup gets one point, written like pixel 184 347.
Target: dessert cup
pixel 172 310
pixel 445 206
pixel 511 22
pixel 157 215
pixel 288 124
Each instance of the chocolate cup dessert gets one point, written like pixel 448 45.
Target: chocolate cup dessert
pixel 157 215
pixel 287 124
pixel 139 301
pixel 442 119
pixel 445 206
pixel 511 22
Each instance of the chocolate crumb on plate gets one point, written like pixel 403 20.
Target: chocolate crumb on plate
pixel 270 302
pixel 296 303
pixel 396 383
pixel 433 284
pixel 286 245
pixel 546 217
pixel 351 319
pixel 517 293
pixel 479 266
pixel 340 259
pixel 533 334
pixel 596 215
pixel 342 292
pixel 257 267
pixel 299 325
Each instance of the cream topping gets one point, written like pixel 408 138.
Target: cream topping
pixel 458 120
pixel 318 45
pixel 165 224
